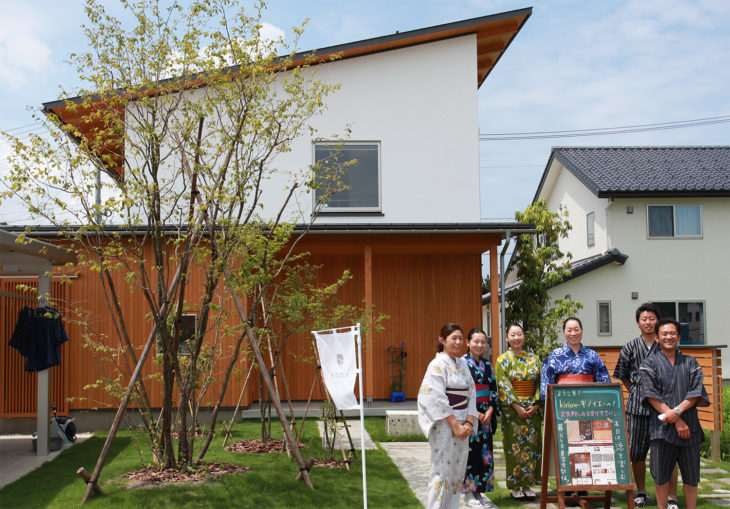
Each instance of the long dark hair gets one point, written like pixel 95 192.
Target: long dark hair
pixel 446 331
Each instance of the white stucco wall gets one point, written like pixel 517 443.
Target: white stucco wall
pixel 566 190
pixel 420 104
pixel 659 270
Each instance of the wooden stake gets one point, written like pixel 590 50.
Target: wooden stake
pixel 81 472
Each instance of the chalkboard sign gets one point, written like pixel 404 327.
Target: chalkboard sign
pixel 591 435
pixel 585 440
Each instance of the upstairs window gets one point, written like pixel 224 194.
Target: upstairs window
pixel 674 221
pixel 360 175
pixel 591 229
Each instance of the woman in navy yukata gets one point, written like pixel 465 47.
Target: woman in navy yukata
pixel 572 362
pixel 480 463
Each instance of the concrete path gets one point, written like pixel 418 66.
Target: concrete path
pixel 18 458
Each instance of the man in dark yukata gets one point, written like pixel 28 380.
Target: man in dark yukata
pixel 672 385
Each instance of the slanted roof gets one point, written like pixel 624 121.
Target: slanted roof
pixel 610 172
pixel 494 33
pixel 577 269
pixel 37 249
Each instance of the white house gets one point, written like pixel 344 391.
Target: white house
pixel 409 230
pixel 650 224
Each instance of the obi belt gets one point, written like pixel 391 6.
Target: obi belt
pixel 482 393
pixel 524 388
pixel 457 397
pixel 575 379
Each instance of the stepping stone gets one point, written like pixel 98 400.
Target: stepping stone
pixel 714 471
pixel 719 487
pixel 354 427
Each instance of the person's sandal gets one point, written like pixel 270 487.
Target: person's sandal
pixel 672 504
pixel 517 494
pixel 640 499
pixel 529 494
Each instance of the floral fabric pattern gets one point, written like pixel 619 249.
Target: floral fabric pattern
pixel 521 438
pixel 480 463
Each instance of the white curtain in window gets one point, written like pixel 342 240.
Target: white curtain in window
pixel 687 220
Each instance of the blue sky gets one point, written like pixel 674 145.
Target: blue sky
pixel 576 64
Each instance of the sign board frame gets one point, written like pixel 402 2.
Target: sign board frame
pixel 588 419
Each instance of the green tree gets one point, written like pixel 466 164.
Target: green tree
pixel 184 112
pixel 539 265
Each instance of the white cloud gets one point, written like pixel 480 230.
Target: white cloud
pixel 22 49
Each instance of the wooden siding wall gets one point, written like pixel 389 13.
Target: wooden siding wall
pixel 421 281
pixel 19 387
pixel 709 359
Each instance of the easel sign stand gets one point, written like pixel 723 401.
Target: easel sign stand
pixel 585 438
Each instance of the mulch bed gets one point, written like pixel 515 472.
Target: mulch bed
pixel 331 463
pixel 256 446
pixel 204 470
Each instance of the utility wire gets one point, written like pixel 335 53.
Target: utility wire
pixel 535 135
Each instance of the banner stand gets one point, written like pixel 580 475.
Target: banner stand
pixel 354 331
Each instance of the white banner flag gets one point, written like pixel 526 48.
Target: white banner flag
pixel 339 366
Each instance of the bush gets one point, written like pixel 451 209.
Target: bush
pixel 724 435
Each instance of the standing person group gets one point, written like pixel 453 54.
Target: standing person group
pixel 461 397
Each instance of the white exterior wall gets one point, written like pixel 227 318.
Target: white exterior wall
pixel 659 270
pixel 420 103
pixel 566 190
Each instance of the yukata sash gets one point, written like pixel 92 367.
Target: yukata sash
pixel 457 397
pixel 575 379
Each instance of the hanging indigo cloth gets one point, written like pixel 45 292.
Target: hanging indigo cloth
pixel 38 337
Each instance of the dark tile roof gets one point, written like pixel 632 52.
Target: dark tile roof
pixel 647 171
pixel 577 268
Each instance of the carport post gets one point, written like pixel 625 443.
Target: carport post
pixel 43 413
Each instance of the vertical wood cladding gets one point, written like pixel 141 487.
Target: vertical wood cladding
pixel 421 281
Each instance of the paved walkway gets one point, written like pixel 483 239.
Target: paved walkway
pixel 18 458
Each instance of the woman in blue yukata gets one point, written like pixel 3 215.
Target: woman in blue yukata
pixel 480 463
pixel 572 362
pixel 447 414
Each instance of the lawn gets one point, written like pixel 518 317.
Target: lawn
pixel 270 483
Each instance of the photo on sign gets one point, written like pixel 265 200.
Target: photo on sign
pixel 591 453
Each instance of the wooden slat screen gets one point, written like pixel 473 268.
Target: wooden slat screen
pixel 19 394
pixel 709 359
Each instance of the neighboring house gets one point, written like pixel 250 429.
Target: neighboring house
pixel 409 229
pixel 649 224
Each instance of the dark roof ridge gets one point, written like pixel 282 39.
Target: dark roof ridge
pixel 643 147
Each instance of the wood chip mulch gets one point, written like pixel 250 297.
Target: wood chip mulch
pixel 331 463
pixel 204 470
pixel 256 446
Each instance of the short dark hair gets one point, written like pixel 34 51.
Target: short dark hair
pixel 665 321
pixel 572 318
pixel 446 331
pixel 475 330
pixel 647 306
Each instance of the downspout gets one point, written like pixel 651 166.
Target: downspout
pixel 503 342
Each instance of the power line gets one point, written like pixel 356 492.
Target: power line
pixel 535 135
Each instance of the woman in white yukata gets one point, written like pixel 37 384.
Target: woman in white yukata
pixel 447 413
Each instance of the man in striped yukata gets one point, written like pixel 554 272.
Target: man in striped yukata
pixel 672 384
pixel 637 413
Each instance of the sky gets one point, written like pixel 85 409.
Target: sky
pixel 575 65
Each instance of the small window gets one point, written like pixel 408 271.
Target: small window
pixel 590 229
pixel 691 318
pixel 357 167
pixel 604 318
pixel 674 221
pixel 188 330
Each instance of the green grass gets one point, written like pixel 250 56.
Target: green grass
pixel 270 484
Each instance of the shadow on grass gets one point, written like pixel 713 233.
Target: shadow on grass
pixel 57 480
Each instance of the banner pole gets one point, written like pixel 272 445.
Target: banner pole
pixel 362 423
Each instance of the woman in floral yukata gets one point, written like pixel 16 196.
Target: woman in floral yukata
pixel 518 377
pixel 446 414
pixel 480 463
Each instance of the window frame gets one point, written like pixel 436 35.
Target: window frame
pixel 600 303
pixel 591 229
pixel 327 209
pixel 674 222
pixel 676 314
